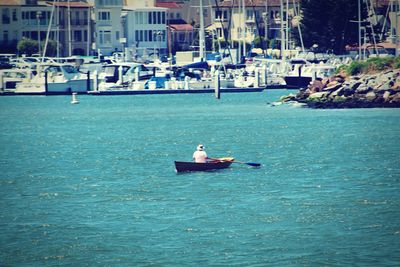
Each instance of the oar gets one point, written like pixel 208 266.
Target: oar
pixel 253 164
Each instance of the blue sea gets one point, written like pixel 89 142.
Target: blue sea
pixel 94 184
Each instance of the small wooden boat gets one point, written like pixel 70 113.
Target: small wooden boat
pixel 221 163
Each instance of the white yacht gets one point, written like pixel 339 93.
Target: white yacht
pixel 54 78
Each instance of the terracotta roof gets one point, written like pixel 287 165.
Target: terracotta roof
pixel 251 3
pixel 71 4
pixel 168 5
pixel 10 2
pixel 181 27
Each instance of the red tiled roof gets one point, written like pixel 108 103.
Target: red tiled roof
pixel 71 4
pixel 10 2
pixel 251 3
pixel 168 5
pixel 181 27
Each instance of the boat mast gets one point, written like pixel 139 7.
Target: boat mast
pixel 287 26
pixel 48 31
pixel 201 33
pixel 296 13
pixel 69 30
pixel 359 30
pixel 239 32
pixel 283 57
pixel 244 27
pixel 88 33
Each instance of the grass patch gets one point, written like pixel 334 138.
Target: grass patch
pixel 371 65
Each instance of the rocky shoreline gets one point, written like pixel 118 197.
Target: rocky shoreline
pixel 372 90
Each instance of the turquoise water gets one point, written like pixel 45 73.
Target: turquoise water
pixel 94 184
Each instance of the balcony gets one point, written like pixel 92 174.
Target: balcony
pixel 77 22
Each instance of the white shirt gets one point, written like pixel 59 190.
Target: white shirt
pixel 200 156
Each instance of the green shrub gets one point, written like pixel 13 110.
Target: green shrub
pixel 357 67
pixel 396 63
pixel 380 63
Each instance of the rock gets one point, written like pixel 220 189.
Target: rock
pixel 363 89
pixel 338 92
pixel 370 96
pixel 395 99
pixel 287 98
pixel 318 95
pixel 316 86
pixel 386 96
pixel 333 86
pixel 347 91
pixel 303 94
pixel 355 85
pixel 396 85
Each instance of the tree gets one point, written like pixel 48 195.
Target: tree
pixel 331 24
pixel 27 46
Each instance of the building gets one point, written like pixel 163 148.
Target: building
pixel 260 18
pixel 145 31
pixel 180 33
pixel 74 27
pixel 108 26
pixel 31 19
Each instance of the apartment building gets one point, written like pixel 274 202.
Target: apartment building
pixel 257 17
pixel 31 19
pixel 108 26
pixel 180 32
pixel 146 31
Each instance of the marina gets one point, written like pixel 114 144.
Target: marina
pixel 199 133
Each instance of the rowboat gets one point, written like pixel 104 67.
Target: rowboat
pixel 221 163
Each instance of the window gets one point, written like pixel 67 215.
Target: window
pixel 150 36
pixel 14 15
pixel 117 35
pixel 154 17
pixel 105 37
pixel 77 20
pixel 141 21
pixel 249 15
pixel 218 15
pixel 5 36
pixel 150 18
pixel 5 16
pixel 158 17
pixel 85 37
pixel 141 35
pixel 103 15
pixel 146 35
pixel 77 36
pixel 85 15
pixel 163 18
pixel 178 15
pixel 136 35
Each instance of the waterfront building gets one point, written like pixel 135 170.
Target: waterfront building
pixel 145 31
pixel 108 25
pixel 257 17
pixel 31 19
pixel 74 27
pixel 180 33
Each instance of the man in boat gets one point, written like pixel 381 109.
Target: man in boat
pixel 200 156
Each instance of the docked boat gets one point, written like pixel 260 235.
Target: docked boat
pixel 184 166
pixel 54 78
pixel 304 72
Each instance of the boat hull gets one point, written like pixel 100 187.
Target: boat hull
pixel 296 82
pixel 182 166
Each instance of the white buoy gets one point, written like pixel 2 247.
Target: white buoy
pixel 74 99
